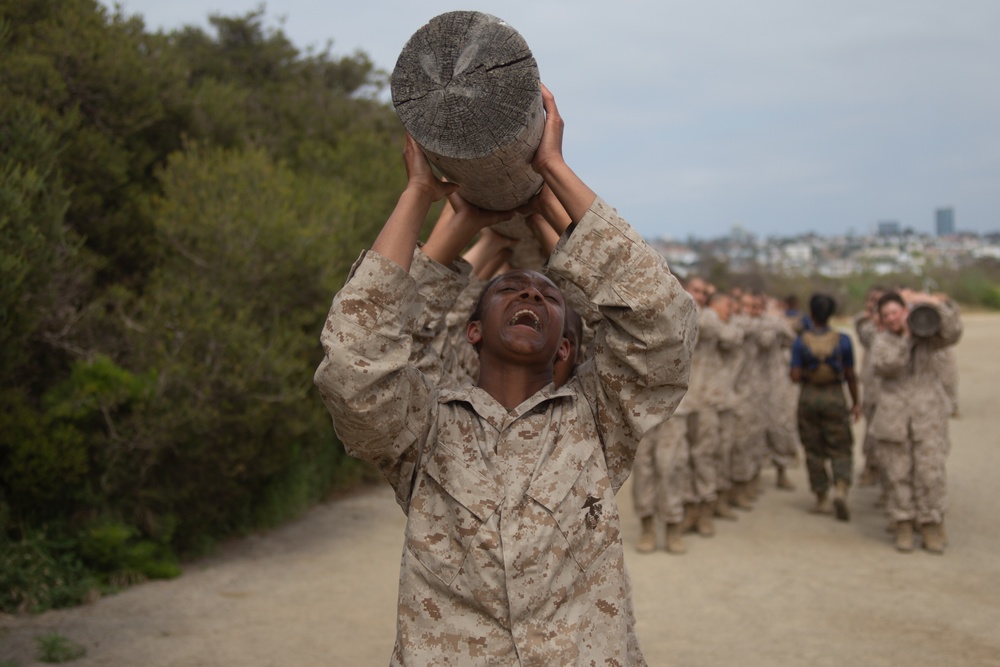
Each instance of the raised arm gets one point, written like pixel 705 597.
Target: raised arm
pixel 573 194
pixel 378 400
pixel 399 235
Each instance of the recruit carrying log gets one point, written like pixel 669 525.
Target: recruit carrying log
pixel 466 88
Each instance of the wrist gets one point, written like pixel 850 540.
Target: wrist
pixel 420 193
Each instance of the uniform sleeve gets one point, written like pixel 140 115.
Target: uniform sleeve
pixel 767 333
pixel 730 336
pixel 865 328
pixel 434 348
pixel 379 402
pixel 846 351
pixel 460 356
pixel 641 352
pixel 951 323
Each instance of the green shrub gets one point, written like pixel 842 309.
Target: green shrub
pixel 116 550
pixel 54 648
pixel 41 570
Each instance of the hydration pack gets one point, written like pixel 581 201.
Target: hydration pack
pixel 826 366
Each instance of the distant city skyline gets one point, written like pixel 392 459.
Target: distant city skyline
pixel 782 117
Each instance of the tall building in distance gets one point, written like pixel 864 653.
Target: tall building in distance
pixel 944 220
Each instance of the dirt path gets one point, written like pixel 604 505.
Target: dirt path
pixel 778 587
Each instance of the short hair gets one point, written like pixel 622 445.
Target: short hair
pixel 890 297
pixel 821 307
pixel 573 322
pixel 715 296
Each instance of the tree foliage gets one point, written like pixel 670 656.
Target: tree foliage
pixel 176 212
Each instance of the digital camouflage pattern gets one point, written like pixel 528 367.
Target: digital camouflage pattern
pixel 512 551
pixel 865 328
pixel 711 391
pixel 712 367
pixel 449 295
pixel 825 432
pixel 779 394
pixel 660 471
pixel 911 421
pixel 751 389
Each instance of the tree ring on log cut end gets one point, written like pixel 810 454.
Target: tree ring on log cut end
pixel 466 88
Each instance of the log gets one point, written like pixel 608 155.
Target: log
pixel 466 88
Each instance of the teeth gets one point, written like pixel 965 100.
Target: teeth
pixel 521 313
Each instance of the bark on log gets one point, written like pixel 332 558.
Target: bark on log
pixel 466 88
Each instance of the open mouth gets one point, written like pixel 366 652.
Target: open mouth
pixel 526 318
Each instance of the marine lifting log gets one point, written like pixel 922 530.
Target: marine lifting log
pixel 466 88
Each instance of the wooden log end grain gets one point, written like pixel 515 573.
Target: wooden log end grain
pixel 466 88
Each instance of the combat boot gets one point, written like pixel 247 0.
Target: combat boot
pixel 753 487
pixel 705 525
pixel 822 505
pixel 932 535
pixel 647 536
pixel 840 500
pixel 722 508
pixel 675 543
pixel 690 521
pixel 869 477
pixel 904 536
pixel 739 497
pixel 783 482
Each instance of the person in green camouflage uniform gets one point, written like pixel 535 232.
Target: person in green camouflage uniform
pixel 822 361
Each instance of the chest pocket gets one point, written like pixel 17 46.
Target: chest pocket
pixel 580 500
pixel 449 505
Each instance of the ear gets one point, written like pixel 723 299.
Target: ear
pixel 562 353
pixel 474 332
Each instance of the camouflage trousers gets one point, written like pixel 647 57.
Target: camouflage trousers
pixel 661 471
pixel 869 446
pixel 749 444
pixel 915 474
pixel 781 446
pixel 703 444
pixel 825 432
pixel 781 437
pixel 726 429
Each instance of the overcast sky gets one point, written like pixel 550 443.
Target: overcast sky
pixel 780 116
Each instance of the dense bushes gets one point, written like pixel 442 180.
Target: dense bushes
pixel 176 212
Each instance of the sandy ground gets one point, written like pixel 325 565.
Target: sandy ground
pixel 778 587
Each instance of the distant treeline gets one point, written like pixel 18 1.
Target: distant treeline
pixel 176 212
pixel 976 286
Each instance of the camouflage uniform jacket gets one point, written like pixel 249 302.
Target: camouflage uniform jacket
pixel 449 295
pixel 711 367
pixel 512 551
pixel 912 399
pixel 865 328
pixel 751 380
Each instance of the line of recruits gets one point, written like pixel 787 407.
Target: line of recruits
pixel 766 383
pixel 765 379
